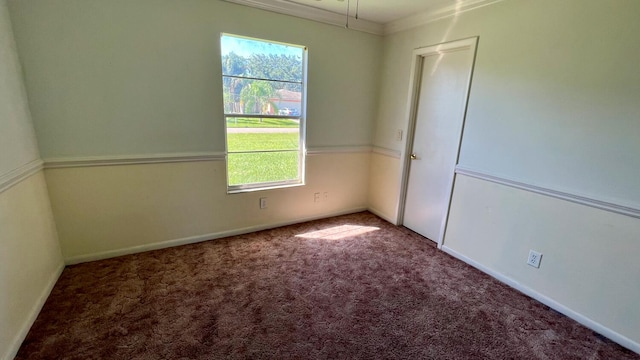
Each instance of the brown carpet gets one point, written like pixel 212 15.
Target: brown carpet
pixel 350 287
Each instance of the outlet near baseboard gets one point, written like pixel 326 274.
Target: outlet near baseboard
pixel 534 259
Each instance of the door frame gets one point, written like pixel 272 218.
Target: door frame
pixel 412 107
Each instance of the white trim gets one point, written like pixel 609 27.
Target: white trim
pixel 322 150
pixel 428 16
pixel 578 199
pixel 312 13
pixel 418 55
pixel 15 176
pixel 386 152
pixel 66 162
pixel 33 314
pixel 262 187
pixel 331 18
pixel 200 238
pixel 89 161
pixel 589 323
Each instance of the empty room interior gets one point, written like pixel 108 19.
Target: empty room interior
pixel 113 138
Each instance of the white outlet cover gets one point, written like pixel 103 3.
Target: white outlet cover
pixel 534 259
pixel 399 135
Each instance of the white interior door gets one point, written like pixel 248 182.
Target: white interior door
pixel 442 74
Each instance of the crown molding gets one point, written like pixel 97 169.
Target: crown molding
pixel 327 17
pixel 312 13
pixel 435 14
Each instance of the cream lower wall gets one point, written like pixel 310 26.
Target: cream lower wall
pixel 586 271
pixel 551 104
pixel 104 211
pixel 384 186
pixel 30 259
pixel 585 267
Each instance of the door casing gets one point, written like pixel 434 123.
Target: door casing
pixel 412 107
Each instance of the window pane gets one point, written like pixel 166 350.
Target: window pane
pixel 264 122
pixel 260 97
pixel 250 168
pixel 261 59
pixel 263 107
pixel 262 134
pixel 242 142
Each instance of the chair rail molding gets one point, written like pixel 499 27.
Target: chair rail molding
pixel 89 161
pixel 578 199
pixel 23 172
pixel 322 150
pixel 387 152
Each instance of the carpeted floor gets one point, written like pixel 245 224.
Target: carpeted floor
pixel 350 287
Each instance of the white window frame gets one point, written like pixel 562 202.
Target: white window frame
pixel 302 152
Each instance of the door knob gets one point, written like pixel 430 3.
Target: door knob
pixel 414 156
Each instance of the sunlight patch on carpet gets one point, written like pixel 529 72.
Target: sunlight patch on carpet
pixel 338 232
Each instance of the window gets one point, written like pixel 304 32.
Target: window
pixel 264 85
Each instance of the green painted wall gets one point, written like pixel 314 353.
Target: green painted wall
pixel 125 77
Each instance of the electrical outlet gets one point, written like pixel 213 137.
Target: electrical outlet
pixel 316 197
pixel 263 203
pixel 534 259
pixel 399 135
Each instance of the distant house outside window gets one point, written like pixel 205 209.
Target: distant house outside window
pixel 264 85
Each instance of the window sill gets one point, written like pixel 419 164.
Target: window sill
pixel 263 188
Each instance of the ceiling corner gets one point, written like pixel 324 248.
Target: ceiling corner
pixel 434 14
pixel 314 14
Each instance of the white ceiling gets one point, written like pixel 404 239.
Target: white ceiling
pixel 378 11
pixel 379 17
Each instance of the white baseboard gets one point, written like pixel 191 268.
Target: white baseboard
pixel 33 314
pixel 199 238
pixel 593 325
